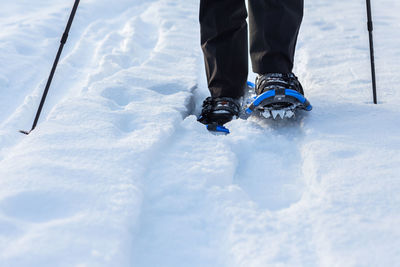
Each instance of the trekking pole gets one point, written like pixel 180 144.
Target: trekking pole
pixel 62 43
pixel 371 50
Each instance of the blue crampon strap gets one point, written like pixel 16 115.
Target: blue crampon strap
pixel 272 93
pixel 217 128
pixel 295 94
pixel 250 84
pixel 299 97
pixel 259 99
pixel 263 96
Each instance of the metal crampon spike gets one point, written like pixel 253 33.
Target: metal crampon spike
pixel 274 113
pixel 289 113
pixel 266 114
pixel 281 113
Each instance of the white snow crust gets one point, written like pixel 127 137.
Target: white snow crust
pixel 119 173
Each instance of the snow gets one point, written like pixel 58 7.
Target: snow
pixel 119 173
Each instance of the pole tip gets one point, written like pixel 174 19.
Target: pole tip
pixel 25 132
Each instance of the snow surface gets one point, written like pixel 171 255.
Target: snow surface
pixel 119 173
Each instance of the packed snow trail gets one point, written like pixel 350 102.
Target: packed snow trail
pixel 119 173
pixel 71 191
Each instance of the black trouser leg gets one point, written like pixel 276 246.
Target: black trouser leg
pixel 225 46
pixel 274 26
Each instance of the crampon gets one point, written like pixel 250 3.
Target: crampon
pixel 275 103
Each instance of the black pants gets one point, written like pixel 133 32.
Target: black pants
pixel 274 26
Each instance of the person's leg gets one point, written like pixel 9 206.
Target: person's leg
pixel 274 26
pixel 224 42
